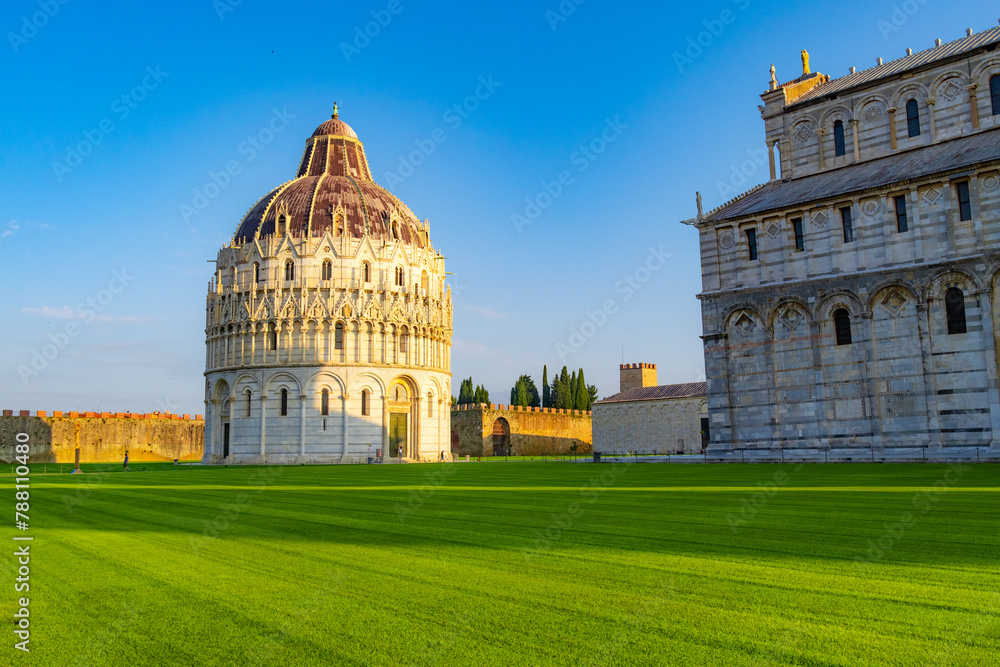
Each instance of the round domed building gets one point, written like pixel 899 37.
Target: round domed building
pixel 328 322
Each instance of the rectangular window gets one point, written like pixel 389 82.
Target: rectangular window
pixel 902 224
pixel 964 203
pixel 845 217
pixel 800 236
pixel 752 243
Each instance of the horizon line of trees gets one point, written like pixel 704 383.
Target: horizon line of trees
pixel 567 391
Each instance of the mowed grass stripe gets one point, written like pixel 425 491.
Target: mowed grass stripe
pixel 654 575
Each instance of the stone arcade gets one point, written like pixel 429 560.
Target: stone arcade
pixel 851 301
pixel 328 322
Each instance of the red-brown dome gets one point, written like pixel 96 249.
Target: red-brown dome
pixel 333 190
pixel 337 127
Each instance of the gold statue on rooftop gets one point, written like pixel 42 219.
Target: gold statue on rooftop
pixel 805 62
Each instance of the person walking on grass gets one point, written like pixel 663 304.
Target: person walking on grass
pixel 125 464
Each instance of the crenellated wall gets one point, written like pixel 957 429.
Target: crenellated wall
pixel 530 431
pixel 102 437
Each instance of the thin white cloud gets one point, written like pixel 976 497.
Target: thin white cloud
pixel 12 227
pixel 61 313
pixel 473 348
pixel 67 313
pixel 487 312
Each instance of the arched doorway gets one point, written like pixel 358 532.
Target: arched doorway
pixel 220 421
pixel 501 437
pixel 226 407
pixel 400 417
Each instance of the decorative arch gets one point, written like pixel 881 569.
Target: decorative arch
pixel 941 281
pixel 246 381
pixel 837 112
pixel 878 292
pixel 370 380
pixel 982 73
pixel 959 78
pixel 283 379
pixel 911 90
pixel 221 390
pixel 802 132
pixel 839 299
pixel 324 379
pixel 779 313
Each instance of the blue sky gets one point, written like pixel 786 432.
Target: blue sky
pixel 105 275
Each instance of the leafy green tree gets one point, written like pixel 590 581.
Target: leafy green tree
pixel 546 389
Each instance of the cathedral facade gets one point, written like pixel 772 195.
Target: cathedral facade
pixel 328 322
pixel 851 301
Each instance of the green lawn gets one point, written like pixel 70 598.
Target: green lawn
pixel 526 564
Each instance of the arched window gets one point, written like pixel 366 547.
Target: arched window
pixel 324 406
pixel 327 269
pixel 281 225
pixel 399 276
pixel 272 337
pixel 366 271
pixel 839 147
pixel 995 93
pixel 954 305
pixel 338 225
pixel 256 272
pixel 430 404
pixel 338 336
pixel 364 403
pixel 842 325
pixel 404 336
pixel 249 402
pixel 425 281
pixel 370 342
pixel 912 118
pixel 284 402
pixel 395 231
pixel 289 270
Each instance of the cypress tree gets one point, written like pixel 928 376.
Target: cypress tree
pixel 546 391
pixel 563 391
pixel 572 392
pixel 582 397
pixel 465 393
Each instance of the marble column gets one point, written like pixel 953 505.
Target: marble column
pixel 344 398
pixel 302 426
pixel 263 418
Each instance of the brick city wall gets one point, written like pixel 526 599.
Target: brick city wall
pixel 102 436
pixel 533 431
